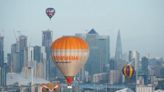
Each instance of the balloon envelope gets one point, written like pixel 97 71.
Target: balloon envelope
pixel 128 71
pixel 50 12
pixel 70 53
pixel 50 87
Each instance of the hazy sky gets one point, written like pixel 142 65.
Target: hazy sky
pixel 141 22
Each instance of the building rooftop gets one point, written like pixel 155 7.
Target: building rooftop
pixel 159 90
pixel 92 31
pixel 13 78
pixel 125 90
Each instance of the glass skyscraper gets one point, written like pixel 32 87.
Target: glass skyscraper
pixel 15 61
pixel 19 54
pixel 1 50
pixel 99 46
pixel 37 53
pixel 3 66
pixel 46 42
pixel 118 52
pixel 23 50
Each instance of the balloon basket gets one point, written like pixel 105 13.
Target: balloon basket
pixel 69 87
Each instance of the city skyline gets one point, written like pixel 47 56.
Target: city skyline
pixel 140 22
pixel 113 47
pixel 117 44
pixel 103 74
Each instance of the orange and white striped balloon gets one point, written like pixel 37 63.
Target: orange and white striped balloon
pixel 70 53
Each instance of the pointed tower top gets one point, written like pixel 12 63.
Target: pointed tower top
pixel 118 53
pixel 92 31
pixel 119 36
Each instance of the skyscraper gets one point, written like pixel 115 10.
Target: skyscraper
pixel 81 74
pixel 15 61
pixel 19 54
pixel 3 66
pixel 99 52
pixel 119 59
pixel 23 50
pixel 112 64
pixel 43 59
pixel 99 56
pixel 118 52
pixel 104 55
pixel 46 42
pixel 1 50
pixel 144 66
pixel 9 64
pixel 134 58
pixel 143 71
pixel 39 71
pixel 37 53
pixel 46 38
pixel 3 76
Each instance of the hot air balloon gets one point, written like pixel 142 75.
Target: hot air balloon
pixel 70 53
pixel 50 87
pixel 128 71
pixel 50 12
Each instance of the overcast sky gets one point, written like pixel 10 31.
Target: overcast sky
pixel 141 22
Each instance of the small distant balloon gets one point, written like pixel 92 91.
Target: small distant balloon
pixel 50 12
pixel 128 71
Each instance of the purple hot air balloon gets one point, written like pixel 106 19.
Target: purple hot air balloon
pixel 50 12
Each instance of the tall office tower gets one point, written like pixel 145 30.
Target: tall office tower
pixel 15 61
pixel 37 54
pixel 99 52
pixel 134 58
pixel 118 52
pixel 30 65
pixel 144 72
pixel 1 50
pixel 46 42
pixel 3 66
pixel 34 67
pixel 81 74
pixel 119 62
pixel 104 55
pixel 30 55
pixel 144 66
pixel 112 64
pixel 3 74
pixel 9 63
pixel 38 60
pixel 43 59
pixel 23 50
pixel 46 38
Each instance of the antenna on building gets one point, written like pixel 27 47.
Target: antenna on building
pixel 15 36
pixel 148 55
pixel 19 32
pixel 31 64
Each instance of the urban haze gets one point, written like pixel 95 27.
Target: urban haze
pixel 119 33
